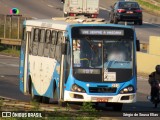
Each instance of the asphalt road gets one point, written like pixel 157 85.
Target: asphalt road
pixel 54 8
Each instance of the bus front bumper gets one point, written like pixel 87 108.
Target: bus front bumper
pixel 83 97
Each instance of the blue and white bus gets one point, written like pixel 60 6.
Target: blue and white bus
pixel 78 60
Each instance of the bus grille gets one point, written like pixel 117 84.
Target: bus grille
pixel 102 89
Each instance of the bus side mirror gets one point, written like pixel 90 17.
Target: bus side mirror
pixel 64 48
pixel 137 45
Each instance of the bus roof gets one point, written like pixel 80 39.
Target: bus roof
pixel 63 22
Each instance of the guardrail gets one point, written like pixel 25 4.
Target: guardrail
pixel 9 41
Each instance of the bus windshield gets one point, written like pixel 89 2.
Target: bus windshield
pixel 91 53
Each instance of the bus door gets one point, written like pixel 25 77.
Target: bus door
pixel 23 62
pixel 61 40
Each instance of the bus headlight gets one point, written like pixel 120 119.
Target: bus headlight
pixel 76 88
pixel 128 89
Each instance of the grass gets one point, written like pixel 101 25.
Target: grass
pixel 150 7
pixel 9 50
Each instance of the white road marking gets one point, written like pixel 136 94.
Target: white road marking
pixel 34 18
pixel 8 56
pixel 7 64
pixel 104 8
pixel 151 24
pixel 49 5
pixel 7 98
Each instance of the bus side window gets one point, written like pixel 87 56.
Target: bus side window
pixel 53 44
pixel 41 43
pixel 47 43
pixel 58 46
pixel 35 42
pixel 68 61
pixel 31 41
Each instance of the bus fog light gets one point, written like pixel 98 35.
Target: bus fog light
pixel 131 97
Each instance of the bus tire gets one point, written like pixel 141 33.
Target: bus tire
pixel 45 100
pixel 30 84
pixel 140 22
pixel 115 21
pixel 135 22
pixel 62 103
pixel 117 106
pixel 35 98
pixel 65 15
pixel 55 95
pixel 110 18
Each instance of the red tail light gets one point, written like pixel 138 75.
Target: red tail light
pixel 72 14
pixel 138 11
pixel 94 16
pixel 121 10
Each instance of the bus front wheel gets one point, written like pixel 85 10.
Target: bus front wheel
pixel 45 100
pixel 35 97
pixel 117 106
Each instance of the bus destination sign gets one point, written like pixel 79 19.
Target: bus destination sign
pixel 101 32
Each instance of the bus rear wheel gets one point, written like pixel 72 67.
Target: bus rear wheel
pixel 55 95
pixel 35 98
pixel 45 100
pixel 117 106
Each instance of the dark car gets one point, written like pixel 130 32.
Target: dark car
pixel 129 11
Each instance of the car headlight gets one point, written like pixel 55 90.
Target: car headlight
pixel 76 88
pixel 128 89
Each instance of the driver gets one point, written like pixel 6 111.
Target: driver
pixel 117 55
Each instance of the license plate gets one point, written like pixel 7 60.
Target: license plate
pixel 130 12
pixel 100 99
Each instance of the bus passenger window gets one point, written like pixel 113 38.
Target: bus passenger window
pixel 54 37
pixel 36 35
pixel 53 44
pixel 48 36
pixel 42 36
pixel 60 38
pixel 58 46
pixel 35 42
pixel 47 43
pixel 41 43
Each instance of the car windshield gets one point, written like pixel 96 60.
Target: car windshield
pixel 128 5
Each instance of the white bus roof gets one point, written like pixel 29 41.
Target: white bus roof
pixel 62 23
